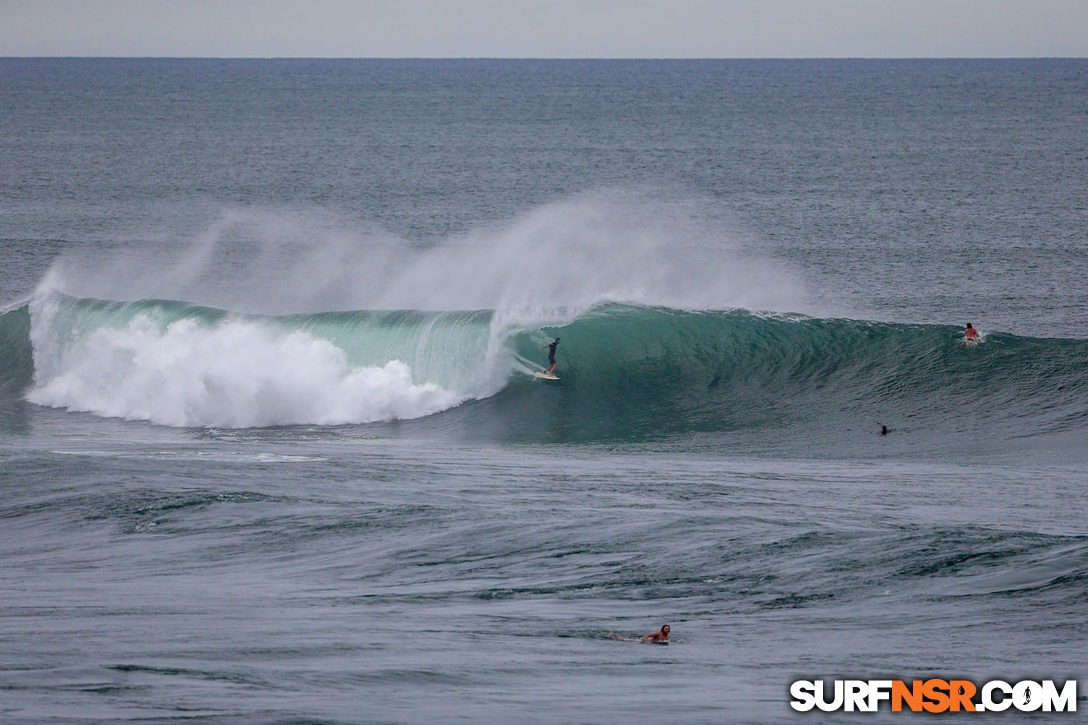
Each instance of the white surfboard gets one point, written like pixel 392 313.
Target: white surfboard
pixel 545 376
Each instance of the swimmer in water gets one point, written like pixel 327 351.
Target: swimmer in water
pixel 662 635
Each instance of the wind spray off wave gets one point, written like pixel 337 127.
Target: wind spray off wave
pixel 544 266
pixel 187 365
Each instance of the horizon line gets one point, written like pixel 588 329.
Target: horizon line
pixel 548 58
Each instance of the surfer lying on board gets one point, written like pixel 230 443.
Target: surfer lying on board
pixel 551 356
pixel 662 635
pixel 970 334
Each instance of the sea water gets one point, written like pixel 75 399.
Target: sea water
pixel 270 448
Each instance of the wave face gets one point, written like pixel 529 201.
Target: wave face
pixel 627 372
pixel 16 355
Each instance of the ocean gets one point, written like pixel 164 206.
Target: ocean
pixel 271 449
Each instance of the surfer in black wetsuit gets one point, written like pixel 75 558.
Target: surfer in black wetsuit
pixel 551 356
pixel 883 428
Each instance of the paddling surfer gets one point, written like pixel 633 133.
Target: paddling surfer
pixel 970 334
pixel 662 635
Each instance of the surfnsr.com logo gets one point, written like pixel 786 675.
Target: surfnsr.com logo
pixel 934 695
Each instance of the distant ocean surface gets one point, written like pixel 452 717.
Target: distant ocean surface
pixel 271 449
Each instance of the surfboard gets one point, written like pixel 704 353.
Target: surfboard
pixel 545 376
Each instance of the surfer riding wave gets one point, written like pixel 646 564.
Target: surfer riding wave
pixel 551 356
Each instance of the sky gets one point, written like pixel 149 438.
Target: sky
pixel 546 28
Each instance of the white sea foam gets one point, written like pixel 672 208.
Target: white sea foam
pixel 234 373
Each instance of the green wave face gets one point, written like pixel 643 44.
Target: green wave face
pixel 627 373
pixel 635 372
pixel 16 355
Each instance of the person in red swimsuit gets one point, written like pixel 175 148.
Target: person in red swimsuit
pixel 970 334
